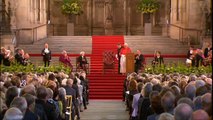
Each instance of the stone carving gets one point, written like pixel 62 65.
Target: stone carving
pixel 108 5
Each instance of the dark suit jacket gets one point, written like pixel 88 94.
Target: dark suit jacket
pixel 206 51
pixel 46 56
pixel 19 59
pixel 45 110
pixel 82 60
pixel 139 61
pixel 29 115
pixel 118 53
pixel 144 108
pixel 159 60
pixel 71 91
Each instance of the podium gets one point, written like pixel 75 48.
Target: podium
pixel 130 62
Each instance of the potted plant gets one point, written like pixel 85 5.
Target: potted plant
pixel 148 7
pixel 71 8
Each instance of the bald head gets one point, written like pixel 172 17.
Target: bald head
pixel 206 100
pixel 200 115
pixel 183 112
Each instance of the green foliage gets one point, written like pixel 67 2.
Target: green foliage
pixel 15 68
pixel 178 68
pixel 72 7
pixel 148 6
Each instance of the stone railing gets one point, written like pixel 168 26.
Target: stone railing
pixel 31 35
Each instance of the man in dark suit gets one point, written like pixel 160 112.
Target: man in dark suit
pixel 44 110
pixel 70 91
pixel 46 53
pixel 206 51
pixel 82 61
pixel 119 56
pixel 19 57
pixel 139 60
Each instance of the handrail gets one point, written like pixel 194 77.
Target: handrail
pixel 34 31
pixel 181 33
pixel 185 28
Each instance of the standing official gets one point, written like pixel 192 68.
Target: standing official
pixel 118 56
pixel 46 53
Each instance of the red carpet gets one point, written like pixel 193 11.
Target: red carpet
pixel 110 84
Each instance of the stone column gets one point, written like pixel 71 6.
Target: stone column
pixel 125 16
pixel 108 18
pixel 129 19
pixel 35 11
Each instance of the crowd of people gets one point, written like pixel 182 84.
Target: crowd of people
pixel 28 96
pixel 168 97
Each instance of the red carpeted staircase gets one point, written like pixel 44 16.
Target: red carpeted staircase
pixel 110 84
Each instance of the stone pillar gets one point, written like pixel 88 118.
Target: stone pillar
pixel 129 18
pixel 35 11
pixel 108 17
pixel 89 18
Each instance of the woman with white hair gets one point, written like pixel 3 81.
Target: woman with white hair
pixel 82 61
pixel 125 50
pixel 65 59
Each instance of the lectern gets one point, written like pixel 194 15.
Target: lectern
pixel 130 62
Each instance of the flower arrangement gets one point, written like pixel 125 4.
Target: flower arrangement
pixel 72 7
pixel 148 6
pixel 178 68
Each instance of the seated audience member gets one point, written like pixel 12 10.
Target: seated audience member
pixel 29 115
pixel 52 102
pixel 158 59
pixel 168 102
pixel 135 101
pixel 183 112
pixel 85 84
pixel 200 115
pixel 19 57
pixel 139 61
pixel 156 108
pixel 208 59
pixel 197 103
pixel 187 101
pixel 5 57
pixel 207 50
pixel 190 91
pixel 11 93
pixel 62 103
pixel 13 114
pixel 132 91
pixel 206 102
pixel 65 59
pixel 71 91
pixel 82 61
pixel 42 108
pixel 199 57
pixel 28 89
pixel 20 103
pixel 144 106
pixel 165 116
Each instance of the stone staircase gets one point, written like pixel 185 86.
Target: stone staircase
pixel 74 44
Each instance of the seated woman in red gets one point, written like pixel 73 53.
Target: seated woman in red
pixel 65 59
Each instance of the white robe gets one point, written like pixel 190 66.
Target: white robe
pixel 123 64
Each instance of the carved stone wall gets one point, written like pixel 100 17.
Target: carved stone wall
pixel 101 17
